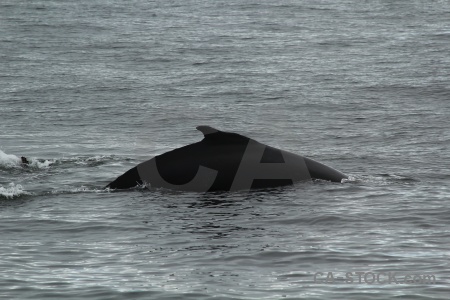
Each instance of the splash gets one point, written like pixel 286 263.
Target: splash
pixel 9 160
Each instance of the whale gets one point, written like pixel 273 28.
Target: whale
pixel 225 161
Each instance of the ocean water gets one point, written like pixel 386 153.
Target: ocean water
pixel 89 89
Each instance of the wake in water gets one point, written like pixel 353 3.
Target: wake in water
pixel 22 173
pixel 10 161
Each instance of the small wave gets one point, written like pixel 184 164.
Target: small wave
pixel 12 191
pixel 91 160
pixel 399 178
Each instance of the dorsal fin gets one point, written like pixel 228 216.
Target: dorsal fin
pixel 216 136
pixel 206 130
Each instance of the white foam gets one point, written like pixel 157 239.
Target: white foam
pixel 12 191
pixel 349 179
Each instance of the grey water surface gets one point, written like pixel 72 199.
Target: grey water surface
pixel 89 89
